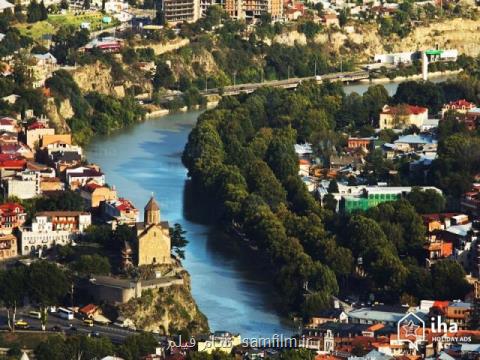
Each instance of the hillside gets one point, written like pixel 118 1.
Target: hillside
pixel 166 310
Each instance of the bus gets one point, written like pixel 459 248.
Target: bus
pixel 35 314
pixel 65 313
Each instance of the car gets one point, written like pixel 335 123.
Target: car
pixel 95 334
pixel 56 328
pixel 73 328
pixel 22 324
pixel 88 322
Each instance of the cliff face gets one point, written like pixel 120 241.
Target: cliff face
pixel 95 77
pixel 460 34
pixel 166 310
pixel 59 113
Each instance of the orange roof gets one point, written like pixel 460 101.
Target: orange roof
pixel 304 162
pixel 409 109
pixel 88 309
pixel 376 327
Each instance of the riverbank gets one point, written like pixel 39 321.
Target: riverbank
pixel 436 74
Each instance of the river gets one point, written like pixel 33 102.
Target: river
pixel 145 159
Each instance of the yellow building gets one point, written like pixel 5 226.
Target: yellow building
pixel 402 116
pixel 153 246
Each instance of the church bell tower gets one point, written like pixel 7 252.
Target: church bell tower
pixel 152 212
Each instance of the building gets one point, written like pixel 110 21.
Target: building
pixel 121 210
pixel 8 247
pixel 50 228
pixel 48 139
pixel 362 197
pixel 6 6
pixel 35 133
pixel 458 312
pixel 94 194
pixel 330 19
pixel 460 106
pixel 414 142
pixel 382 314
pixel 12 216
pixel 254 9
pixel 24 185
pixel 176 11
pixel 82 175
pixel 153 244
pixel 361 143
pixel 402 116
pixel 106 45
pixel 8 124
pixel 396 58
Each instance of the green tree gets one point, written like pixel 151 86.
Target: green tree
pixel 178 239
pixel 13 289
pixel 448 278
pixel 92 265
pixel 47 285
pixel 163 77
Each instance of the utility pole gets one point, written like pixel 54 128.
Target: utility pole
pixel 315 71
pixel 206 82
pixel 234 78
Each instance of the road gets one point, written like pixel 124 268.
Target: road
pixel 115 333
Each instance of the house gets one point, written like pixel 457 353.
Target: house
pixel 24 185
pixel 438 250
pixel 304 167
pixel 81 175
pixel 470 201
pixel 94 194
pixel 63 160
pixel 461 106
pixel 50 228
pixel 121 210
pixel 19 149
pixel 414 142
pixel 458 312
pixel 5 6
pixel 330 19
pixel 48 139
pixel 8 247
pixel 332 315
pixel 48 184
pixel 402 116
pixel 88 311
pixel 361 143
pixel 36 131
pixel 381 314
pixel 12 216
pixel 303 150
pixel 339 162
pixel 8 124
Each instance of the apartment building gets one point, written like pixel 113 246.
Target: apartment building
pixel 253 9
pixel 176 11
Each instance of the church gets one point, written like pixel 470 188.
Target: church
pixel 152 245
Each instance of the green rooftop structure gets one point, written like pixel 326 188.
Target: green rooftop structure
pixel 434 52
pixel 366 201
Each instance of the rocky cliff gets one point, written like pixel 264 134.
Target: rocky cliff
pixel 59 112
pixel 95 77
pixel 166 310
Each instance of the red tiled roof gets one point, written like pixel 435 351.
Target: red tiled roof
pixel 36 125
pixel 92 186
pixel 88 309
pixel 461 103
pixel 438 216
pixel 124 204
pixel 6 121
pixel 409 109
pixel 11 208
pixel 13 164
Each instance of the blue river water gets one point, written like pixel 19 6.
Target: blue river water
pixel 146 159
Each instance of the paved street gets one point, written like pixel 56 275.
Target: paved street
pixel 115 333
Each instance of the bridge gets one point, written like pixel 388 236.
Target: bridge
pixel 290 83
